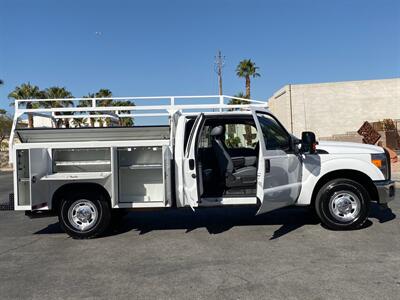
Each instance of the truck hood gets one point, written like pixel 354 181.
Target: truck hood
pixel 348 148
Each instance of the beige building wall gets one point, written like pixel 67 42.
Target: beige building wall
pixel 336 108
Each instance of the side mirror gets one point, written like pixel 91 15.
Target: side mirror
pixel 308 142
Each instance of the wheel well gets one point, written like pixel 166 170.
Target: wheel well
pixel 354 175
pixel 62 191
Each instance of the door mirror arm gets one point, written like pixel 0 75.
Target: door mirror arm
pixel 295 142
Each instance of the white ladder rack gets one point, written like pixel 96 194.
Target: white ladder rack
pixel 96 110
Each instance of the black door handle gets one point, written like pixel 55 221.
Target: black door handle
pixel 191 164
pixel 267 166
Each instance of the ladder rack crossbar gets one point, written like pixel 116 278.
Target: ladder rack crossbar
pixel 140 98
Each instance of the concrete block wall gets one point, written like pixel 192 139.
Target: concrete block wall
pixel 336 108
pixel 279 105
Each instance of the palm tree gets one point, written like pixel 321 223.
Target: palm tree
pixel 125 121
pixel 79 122
pixel 27 91
pixel 247 128
pixel 246 69
pixel 88 103
pixel 104 93
pixel 235 100
pixel 56 92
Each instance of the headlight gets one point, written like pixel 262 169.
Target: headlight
pixel 381 162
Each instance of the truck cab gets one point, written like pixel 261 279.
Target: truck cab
pixel 249 157
pixel 221 154
pixel 226 160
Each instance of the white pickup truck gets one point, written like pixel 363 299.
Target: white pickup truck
pixel 210 155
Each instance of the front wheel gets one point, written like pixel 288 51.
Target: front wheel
pixel 342 204
pixel 84 215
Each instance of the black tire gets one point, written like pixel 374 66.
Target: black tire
pixel 95 202
pixel 313 213
pixel 347 217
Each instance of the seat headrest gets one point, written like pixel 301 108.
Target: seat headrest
pixel 217 131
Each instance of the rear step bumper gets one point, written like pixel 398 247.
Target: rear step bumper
pixel 8 205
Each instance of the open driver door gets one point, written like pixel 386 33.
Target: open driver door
pixel 279 172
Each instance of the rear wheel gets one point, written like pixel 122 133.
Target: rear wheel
pixel 342 204
pixel 84 215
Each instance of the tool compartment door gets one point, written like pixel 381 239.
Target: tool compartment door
pixel 40 166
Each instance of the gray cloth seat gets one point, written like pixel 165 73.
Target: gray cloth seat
pixel 234 177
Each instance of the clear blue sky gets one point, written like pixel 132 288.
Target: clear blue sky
pixel 168 47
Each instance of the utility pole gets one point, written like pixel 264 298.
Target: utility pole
pixel 219 64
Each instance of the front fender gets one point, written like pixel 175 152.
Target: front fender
pixel 317 166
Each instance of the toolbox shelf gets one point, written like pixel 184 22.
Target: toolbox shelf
pixel 77 176
pixel 83 163
pixel 143 167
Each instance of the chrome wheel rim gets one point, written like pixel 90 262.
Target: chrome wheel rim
pixel 83 214
pixel 345 206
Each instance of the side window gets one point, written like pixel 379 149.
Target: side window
pixel 276 138
pixel 240 136
pixel 236 136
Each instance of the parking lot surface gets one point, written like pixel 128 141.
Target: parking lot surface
pixel 213 253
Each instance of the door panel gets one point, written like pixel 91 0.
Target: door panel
pixel 191 189
pixel 23 181
pixel 280 186
pixel 279 170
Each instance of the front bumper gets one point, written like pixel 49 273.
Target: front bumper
pixel 386 191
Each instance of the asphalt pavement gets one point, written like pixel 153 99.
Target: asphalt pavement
pixel 212 254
